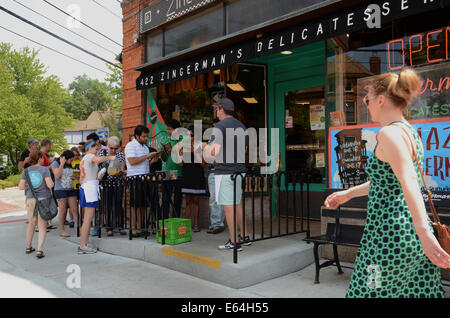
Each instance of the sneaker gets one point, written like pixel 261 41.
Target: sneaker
pixel 230 246
pixel 87 250
pixel 245 241
pixel 72 224
pixel 95 233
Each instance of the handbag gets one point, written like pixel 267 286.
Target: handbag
pixel 46 208
pixel 441 231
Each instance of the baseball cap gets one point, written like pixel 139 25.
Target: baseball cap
pixel 225 103
pixel 31 141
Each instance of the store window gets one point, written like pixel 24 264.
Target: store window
pixel 191 99
pixel 194 31
pixel 154 49
pixel 354 60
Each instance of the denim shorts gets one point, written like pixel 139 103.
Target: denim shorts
pixel 65 194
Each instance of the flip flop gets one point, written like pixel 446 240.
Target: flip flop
pixel 51 227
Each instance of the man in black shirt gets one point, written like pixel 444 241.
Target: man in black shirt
pixel 33 144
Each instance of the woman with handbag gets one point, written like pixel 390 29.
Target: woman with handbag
pixel 36 182
pixel 399 254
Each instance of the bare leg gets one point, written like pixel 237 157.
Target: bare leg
pixel 195 200
pixel 62 204
pixel 73 209
pixel 242 224
pixel 88 216
pixel 42 224
pixel 187 211
pixel 30 232
pixel 229 214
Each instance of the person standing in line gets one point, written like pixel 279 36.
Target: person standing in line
pixel 138 159
pixel 76 181
pixel 398 240
pixel 46 147
pixel 193 184
pixel 65 194
pixel 41 183
pixel 174 187
pixel 24 161
pixel 225 167
pixel 81 150
pixel 114 205
pixel 217 215
pixel 89 192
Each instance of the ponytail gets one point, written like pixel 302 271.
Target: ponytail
pixel 400 89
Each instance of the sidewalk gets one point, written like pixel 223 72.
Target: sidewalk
pixel 11 199
pixel 105 275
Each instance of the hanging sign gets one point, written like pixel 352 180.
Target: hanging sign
pixel 168 10
pixel 293 37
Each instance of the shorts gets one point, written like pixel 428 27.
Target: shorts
pixel 137 198
pixel 225 193
pixel 85 204
pixel 65 194
pixel 31 204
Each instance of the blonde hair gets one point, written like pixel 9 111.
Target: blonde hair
pixel 400 89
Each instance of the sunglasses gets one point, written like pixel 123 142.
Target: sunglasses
pixel 113 148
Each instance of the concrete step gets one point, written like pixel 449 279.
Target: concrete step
pixel 262 261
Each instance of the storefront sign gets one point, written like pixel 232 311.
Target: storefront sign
pixel 326 27
pixel 435 134
pixel 168 10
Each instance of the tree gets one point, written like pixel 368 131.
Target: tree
pixel 88 95
pixel 115 87
pixel 31 104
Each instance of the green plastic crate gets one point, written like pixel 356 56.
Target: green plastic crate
pixel 177 231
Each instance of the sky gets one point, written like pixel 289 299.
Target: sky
pixel 89 12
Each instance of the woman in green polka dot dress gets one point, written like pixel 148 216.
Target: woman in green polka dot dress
pixel 399 255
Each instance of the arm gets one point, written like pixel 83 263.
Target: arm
pixel 21 165
pixel 397 152
pixel 98 160
pixel 49 182
pixel 58 171
pixel 22 184
pixel 210 151
pixel 136 161
pixel 334 200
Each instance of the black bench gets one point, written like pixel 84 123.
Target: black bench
pixel 337 233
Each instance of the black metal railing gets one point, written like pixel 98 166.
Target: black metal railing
pixel 285 195
pixel 134 204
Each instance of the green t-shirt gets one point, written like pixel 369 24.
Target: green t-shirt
pixel 169 164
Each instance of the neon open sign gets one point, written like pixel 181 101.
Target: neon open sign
pixel 422 48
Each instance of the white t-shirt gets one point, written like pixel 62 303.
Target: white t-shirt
pixel 88 169
pixel 135 150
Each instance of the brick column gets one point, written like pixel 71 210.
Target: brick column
pixel 133 55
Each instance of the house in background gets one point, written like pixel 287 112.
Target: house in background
pixel 94 123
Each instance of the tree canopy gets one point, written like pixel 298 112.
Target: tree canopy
pixel 31 103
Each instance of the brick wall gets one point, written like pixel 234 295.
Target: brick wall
pixel 133 55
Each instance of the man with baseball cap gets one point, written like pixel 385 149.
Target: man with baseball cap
pixel 225 165
pixel 33 144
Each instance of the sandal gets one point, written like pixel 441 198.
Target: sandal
pixel 65 235
pixel 40 254
pixel 196 229
pixel 51 227
pixel 29 250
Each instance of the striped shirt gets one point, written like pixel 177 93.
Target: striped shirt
pixel 135 150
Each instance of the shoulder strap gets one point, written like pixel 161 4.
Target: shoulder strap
pixel 30 186
pixel 430 200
